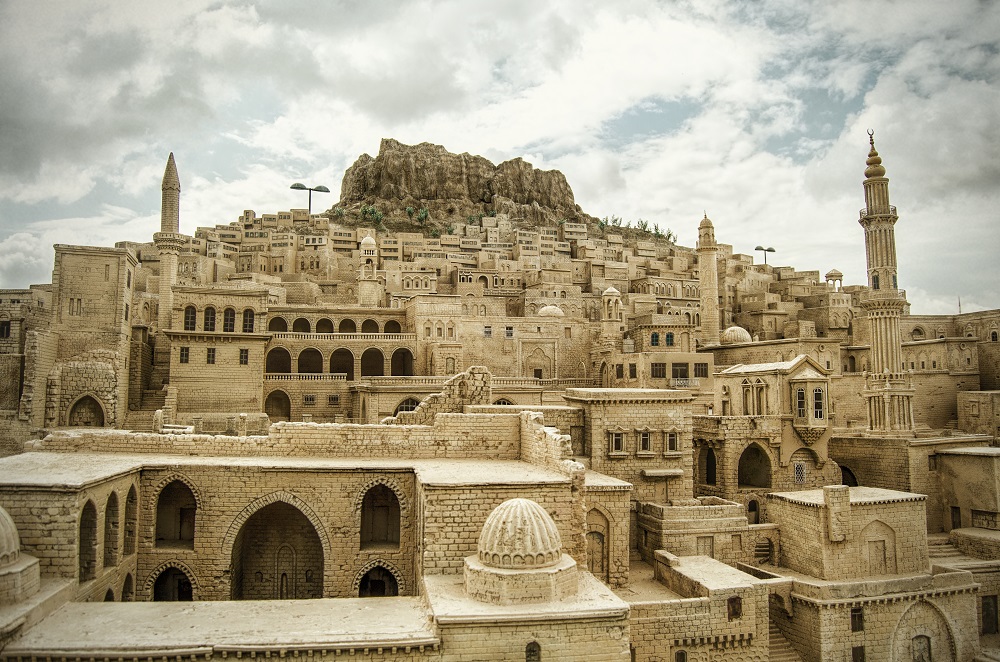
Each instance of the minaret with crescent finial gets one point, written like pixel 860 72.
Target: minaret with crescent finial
pixel 168 241
pixel 888 391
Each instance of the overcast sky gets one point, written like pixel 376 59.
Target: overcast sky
pixel 755 112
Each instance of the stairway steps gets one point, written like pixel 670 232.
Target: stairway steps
pixel 779 648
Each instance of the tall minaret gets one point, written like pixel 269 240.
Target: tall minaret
pixel 168 240
pixel 890 407
pixel 708 279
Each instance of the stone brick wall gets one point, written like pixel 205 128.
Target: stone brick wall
pixel 585 640
pixel 10 380
pixel 472 387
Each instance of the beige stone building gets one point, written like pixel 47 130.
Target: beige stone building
pixel 510 440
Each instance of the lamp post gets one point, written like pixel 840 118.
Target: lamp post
pixel 302 187
pixel 767 250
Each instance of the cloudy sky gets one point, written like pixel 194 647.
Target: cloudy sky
pixel 755 112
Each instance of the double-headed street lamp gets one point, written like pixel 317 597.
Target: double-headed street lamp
pixel 302 187
pixel 767 250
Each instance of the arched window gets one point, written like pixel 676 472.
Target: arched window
pixel 533 652
pixel 324 326
pixel 277 324
pixel 176 509
pixel 503 401
pixel 670 339
pixel 680 656
pixel 874 281
pixel 210 319
pixel 88 542
pixel 818 403
pixel 347 326
pixel 380 519
pixel 342 362
pixel 190 318
pixel 310 360
pixel 369 326
pixel 228 320
pixel 278 360
pixel 401 362
pixel 654 340
pixel 248 321
pixel 131 522
pixel 301 325
pixel 111 531
pixel 392 326
pixel 710 467
pixel 993 336
pixel 372 363
pixel 408 404
pixel 127 589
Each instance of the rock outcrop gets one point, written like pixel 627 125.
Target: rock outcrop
pixel 456 185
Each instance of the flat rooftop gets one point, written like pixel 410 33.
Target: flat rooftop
pixel 859 495
pixel 77 470
pixel 115 628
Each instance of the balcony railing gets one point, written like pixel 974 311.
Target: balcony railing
pixel 304 376
pixel 344 337
pixel 864 212
pixel 685 382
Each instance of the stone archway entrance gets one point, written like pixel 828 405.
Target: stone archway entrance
pixel 278 406
pixel 173 585
pixel 86 412
pixel 277 555
pixel 377 583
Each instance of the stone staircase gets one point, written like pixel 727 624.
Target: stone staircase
pixel 780 649
pixel 139 420
pixel 939 548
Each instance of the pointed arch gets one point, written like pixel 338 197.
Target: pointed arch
pixel 386 565
pixel 266 500
pixel 165 566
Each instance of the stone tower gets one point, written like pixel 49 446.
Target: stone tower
pixel 168 240
pixel 371 290
pixel 888 391
pixel 708 279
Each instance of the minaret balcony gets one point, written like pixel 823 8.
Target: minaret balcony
pixel 887 295
pixel 865 213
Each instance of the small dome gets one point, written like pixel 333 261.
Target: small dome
pixel 368 242
pixel 834 274
pixel 705 222
pixel 735 335
pixel 612 292
pixel 550 311
pixel 10 541
pixel 519 534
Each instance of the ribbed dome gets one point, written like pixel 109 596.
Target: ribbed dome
pixel 735 335
pixel 834 274
pixel 550 311
pixel 705 222
pixel 519 534
pixel 10 541
pixel 368 242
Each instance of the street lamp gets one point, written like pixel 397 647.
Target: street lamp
pixel 302 187
pixel 767 250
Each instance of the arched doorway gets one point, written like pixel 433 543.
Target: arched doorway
pixel 111 531
pixel 342 361
pixel 372 363
pixel 402 362
pixel 86 412
pixel 392 326
pixel 848 478
pixel 377 583
pixel 277 325
pixel 278 406
pixel 347 326
pixel 87 552
pixel 173 585
pixel 278 360
pixel 380 519
pixel 755 468
pixel 708 465
pixel 369 326
pixel 301 325
pixel 176 511
pixel 324 326
pixel 277 555
pixel 131 520
pixel 310 360
pixel 127 589
pixel 597 547
pixel 110 595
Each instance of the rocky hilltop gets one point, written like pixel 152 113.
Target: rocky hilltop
pixel 454 186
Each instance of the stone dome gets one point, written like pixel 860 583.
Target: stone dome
pixel 550 311
pixel 706 222
pixel 834 274
pixel 612 292
pixel 368 242
pixel 735 335
pixel 519 534
pixel 10 541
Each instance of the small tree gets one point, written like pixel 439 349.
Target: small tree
pixel 423 214
pixel 410 211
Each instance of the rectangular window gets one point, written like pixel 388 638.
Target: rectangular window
pixel 185 354
pixel 508 332
pixel 658 370
pixel 617 442
pixel 333 399
pixel 631 371
pixel 989 611
pixel 5 329
pixel 309 400
pixel 568 332
pixel 818 403
pixel 701 370
pixel 210 355
pixel 857 654
pixel 932 462
pixel 244 357
pixel 644 445
pixel 487 332
pixel 126 313
pixel 857 619
pixel 619 371
pixel 800 403
pixel 229 320
pixel 672 441
pixel 679 370
pixel 800 472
